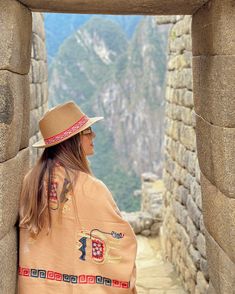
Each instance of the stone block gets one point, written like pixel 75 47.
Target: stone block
pixel 39 47
pixel 219 217
pixel 187 99
pixel 201 244
pixel 16 29
pixel 155 229
pixel 195 255
pixel 151 7
pixel 197 171
pixel 182 27
pixel 191 267
pixel 42 71
pixel 42 95
pixel 182 194
pixel 38 25
pixel 8 257
pixel 190 285
pixel 213 86
pixel 193 211
pixel 179 152
pixel 187 40
pixel 204 268
pixel 202 226
pixel 146 233
pixel 192 231
pixel 189 159
pixel 35 71
pixel 180 213
pixel 168 181
pixel 166 19
pixel 172 128
pixel 30 74
pixel 182 234
pixel 169 163
pixel 211 289
pixel 179 79
pixel 176 45
pixel 33 151
pixel 44 87
pixel 216 149
pixel 186 116
pixel 221 267
pixel 169 94
pixel 14 113
pixel 33 97
pixel 188 137
pixel 195 190
pixel 35 115
pixel 186 178
pixel 202 283
pixel 198 201
pixel 11 173
pixel 213 28
pixel 180 61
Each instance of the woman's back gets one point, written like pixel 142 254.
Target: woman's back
pixel 89 249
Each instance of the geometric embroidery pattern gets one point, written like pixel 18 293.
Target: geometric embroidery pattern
pixel 73 279
pixel 53 192
pixel 54 203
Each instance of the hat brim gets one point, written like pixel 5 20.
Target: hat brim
pixel 41 143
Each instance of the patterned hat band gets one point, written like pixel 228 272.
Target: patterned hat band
pixel 66 133
pixel 62 122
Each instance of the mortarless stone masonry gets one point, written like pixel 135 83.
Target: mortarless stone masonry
pixel 38 82
pixel 183 230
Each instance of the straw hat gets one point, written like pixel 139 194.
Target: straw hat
pixel 62 122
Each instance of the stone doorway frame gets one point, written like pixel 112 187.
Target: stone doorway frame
pixel 213 49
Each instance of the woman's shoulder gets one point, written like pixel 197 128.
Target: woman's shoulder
pixel 92 183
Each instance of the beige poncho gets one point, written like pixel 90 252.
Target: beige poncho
pixel 90 248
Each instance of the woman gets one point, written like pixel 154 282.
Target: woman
pixel 72 236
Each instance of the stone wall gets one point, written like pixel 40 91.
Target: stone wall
pixel 214 99
pixel 183 229
pixel 15 48
pixel 38 82
pixel 148 220
pixel 16 101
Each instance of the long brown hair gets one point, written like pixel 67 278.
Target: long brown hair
pixel 34 203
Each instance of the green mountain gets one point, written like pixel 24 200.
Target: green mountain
pixel 59 26
pixel 123 80
pixel 85 61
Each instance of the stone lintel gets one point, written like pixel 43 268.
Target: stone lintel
pixel 134 7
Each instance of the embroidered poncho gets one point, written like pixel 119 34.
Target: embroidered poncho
pixel 90 248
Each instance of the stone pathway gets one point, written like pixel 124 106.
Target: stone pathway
pixel 155 276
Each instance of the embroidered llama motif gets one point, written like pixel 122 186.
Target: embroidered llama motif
pixel 66 188
pixel 53 199
pixel 97 246
pixel 63 197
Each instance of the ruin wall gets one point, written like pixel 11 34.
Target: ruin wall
pixel 17 127
pixel 183 228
